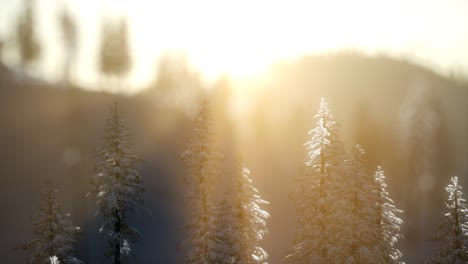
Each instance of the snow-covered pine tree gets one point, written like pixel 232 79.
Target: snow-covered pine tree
pixel 54 260
pixel 53 232
pixel 320 202
pixel 364 243
pixel 390 223
pixel 453 231
pixel 116 186
pixel 202 160
pixel 248 220
pixel 223 231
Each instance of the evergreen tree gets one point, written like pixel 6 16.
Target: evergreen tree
pixel 320 200
pixel 69 34
pixel 224 225
pixel 202 160
pixel 364 243
pixel 116 186
pixel 453 231
pixel 115 57
pixel 54 260
pixel 28 44
pixel 249 220
pixel 390 223
pixel 2 46
pixel 241 222
pixel 53 233
pixel 177 83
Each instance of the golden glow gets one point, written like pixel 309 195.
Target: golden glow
pixel 242 37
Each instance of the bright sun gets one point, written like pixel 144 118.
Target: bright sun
pixel 239 38
pixel 220 37
pixel 243 37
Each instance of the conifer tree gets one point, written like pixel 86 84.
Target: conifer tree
pixel 390 223
pixel 115 57
pixel 320 203
pixel 202 160
pixel 249 220
pixel 224 225
pixel 53 232
pixel 177 83
pixel 26 37
pixel 241 222
pixel 70 34
pixel 54 260
pixel 453 231
pixel 364 243
pixel 116 187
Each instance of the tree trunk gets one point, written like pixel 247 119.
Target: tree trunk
pixel 117 257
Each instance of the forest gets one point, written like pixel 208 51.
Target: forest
pixel 336 157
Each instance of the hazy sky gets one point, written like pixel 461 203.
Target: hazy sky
pixel 242 37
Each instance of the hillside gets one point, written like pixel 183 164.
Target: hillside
pixel 51 132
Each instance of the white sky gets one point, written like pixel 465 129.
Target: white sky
pixel 243 36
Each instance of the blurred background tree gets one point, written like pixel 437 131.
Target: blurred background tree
pixel 69 32
pixel 2 44
pixel 28 45
pixel 114 55
pixel 177 84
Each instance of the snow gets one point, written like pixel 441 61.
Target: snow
pixel 116 185
pixel 453 231
pixel 53 232
pixel 344 214
pixel 318 198
pixel 202 160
